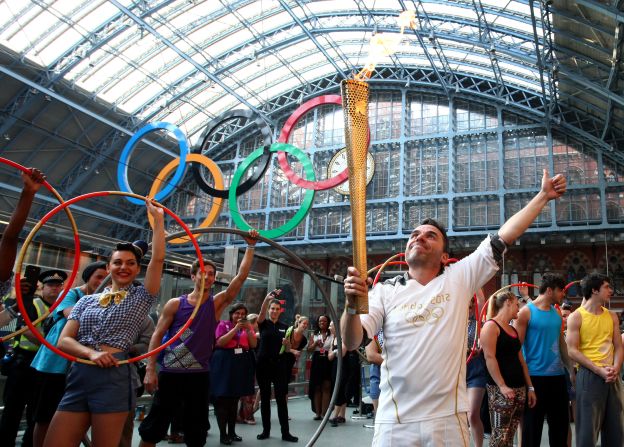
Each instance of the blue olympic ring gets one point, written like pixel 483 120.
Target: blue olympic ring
pixel 122 167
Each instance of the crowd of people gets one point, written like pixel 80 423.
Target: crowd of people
pixel 63 399
pixel 526 358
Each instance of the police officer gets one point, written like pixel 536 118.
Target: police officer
pixel 18 389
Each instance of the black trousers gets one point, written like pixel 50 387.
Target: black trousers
pixel 552 403
pixel 186 391
pixel 273 371
pixel 19 393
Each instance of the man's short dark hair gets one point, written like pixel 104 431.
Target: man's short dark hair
pixel 553 281
pixel 195 266
pixel 591 282
pixel 440 227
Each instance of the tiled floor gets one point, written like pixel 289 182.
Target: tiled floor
pixel 350 434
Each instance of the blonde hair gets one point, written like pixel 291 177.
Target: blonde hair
pixel 252 318
pixel 497 302
pixel 299 319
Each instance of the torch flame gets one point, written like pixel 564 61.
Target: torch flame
pixel 385 45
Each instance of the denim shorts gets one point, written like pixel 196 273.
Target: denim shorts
pixel 375 376
pixel 91 389
pixel 476 374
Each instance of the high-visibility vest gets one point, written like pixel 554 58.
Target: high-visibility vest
pixel 24 343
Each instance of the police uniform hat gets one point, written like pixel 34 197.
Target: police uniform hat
pixel 52 276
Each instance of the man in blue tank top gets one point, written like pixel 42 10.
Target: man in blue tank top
pixel 540 328
pixel 183 380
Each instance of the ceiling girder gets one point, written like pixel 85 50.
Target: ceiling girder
pixel 609 11
pixel 502 49
pixel 487 42
pixel 293 39
pixel 76 106
pixel 185 56
pixel 612 82
pixel 54 202
pixel 311 36
pixel 66 62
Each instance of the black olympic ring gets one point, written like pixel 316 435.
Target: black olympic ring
pixel 264 161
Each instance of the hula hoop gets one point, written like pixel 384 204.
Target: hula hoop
pixel 565 289
pixel 520 284
pixel 473 350
pixel 380 268
pixel 71 278
pixel 42 222
pixel 324 293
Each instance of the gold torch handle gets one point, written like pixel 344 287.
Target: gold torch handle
pixel 355 105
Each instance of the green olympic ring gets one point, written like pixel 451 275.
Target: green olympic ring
pixel 305 205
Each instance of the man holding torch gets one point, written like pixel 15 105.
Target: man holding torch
pixel 423 315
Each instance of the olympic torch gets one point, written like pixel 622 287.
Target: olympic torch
pixel 355 106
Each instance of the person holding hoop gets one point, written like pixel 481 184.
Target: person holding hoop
pixel 183 379
pixel 9 239
pixel 102 327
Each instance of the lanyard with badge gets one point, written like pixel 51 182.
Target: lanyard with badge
pixel 238 349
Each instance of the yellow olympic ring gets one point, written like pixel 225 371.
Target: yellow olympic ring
pixel 217 203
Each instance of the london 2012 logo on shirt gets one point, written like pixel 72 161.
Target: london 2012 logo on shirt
pixel 420 314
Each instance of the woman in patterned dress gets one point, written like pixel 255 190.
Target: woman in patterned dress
pixel 508 376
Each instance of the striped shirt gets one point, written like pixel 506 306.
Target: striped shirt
pixel 117 325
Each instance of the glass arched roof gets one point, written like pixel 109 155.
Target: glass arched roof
pixel 188 61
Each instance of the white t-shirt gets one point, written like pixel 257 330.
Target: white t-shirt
pixel 423 375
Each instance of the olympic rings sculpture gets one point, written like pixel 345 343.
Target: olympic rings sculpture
pixel 122 167
pixel 211 129
pixel 76 249
pixel 261 157
pixel 217 204
pixel 20 301
pixel 304 207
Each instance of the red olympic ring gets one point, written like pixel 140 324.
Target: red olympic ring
pixel 51 214
pixel 288 127
pixel 72 277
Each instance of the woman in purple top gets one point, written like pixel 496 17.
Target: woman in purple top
pixel 234 362
pixel 102 327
